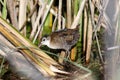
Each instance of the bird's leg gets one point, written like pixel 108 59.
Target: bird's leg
pixel 68 54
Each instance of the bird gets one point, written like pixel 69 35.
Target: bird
pixel 62 39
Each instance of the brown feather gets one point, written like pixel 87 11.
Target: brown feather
pixel 65 39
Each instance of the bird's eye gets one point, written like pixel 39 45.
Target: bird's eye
pixel 43 39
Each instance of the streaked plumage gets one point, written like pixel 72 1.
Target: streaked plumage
pixel 62 39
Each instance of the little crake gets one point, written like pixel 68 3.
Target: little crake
pixel 62 39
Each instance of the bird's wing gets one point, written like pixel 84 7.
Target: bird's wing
pixel 66 36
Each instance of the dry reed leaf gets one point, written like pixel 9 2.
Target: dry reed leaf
pixel 89 42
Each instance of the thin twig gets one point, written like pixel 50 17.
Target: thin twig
pixel 12 12
pixel 44 17
pixel 98 45
pixel 54 24
pixel 40 13
pixel 34 15
pixel 63 22
pixel 69 13
pixel 59 14
pixel 29 15
pixel 85 28
pixel 76 21
pixel 22 15
pixel 56 15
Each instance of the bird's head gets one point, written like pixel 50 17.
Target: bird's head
pixel 45 41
